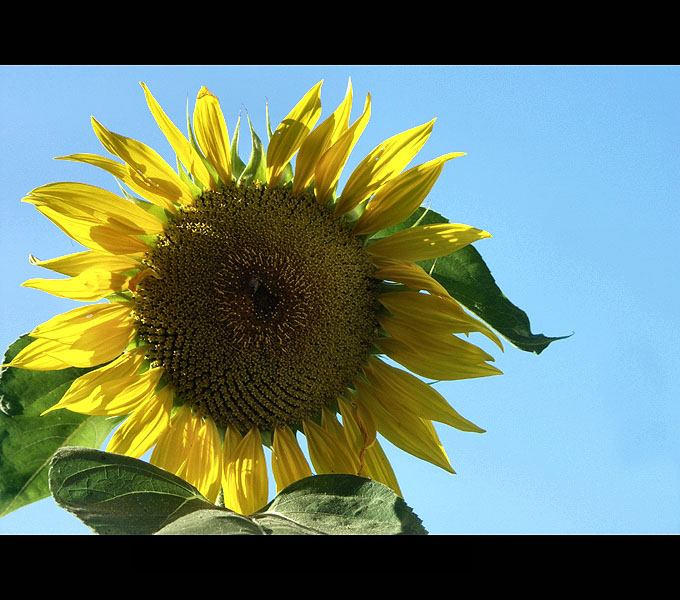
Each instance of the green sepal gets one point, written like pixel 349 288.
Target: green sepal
pixel 125 296
pixel 150 239
pixel 465 275
pixel 256 169
pixel 162 214
pixel 237 165
pixel 267 438
pixel 27 440
pixel 159 212
pixel 196 188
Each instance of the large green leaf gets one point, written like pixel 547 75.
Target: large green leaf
pixel 466 277
pixel 339 504
pixel 212 521
pixel 116 494
pixel 27 440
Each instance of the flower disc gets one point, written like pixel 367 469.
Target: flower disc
pixel 261 308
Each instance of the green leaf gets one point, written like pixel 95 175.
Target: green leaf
pixel 212 521
pixel 27 440
pixel 116 494
pixel 338 504
pixel 466 277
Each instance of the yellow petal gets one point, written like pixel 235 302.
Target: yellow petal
pixel 319 140
pixel 426 241
pixel 396 201
pixel 411 275
pixel 99 345
pixel 341 116
pixel 41 355
pixel 81 341
pixel 431 364
pixel 429 340
pixel 92 284
pixel 94 235
pixel 138 390
pixel 75 264
pixel 394 385
pixel 232 438
pixel 440 313
pixel 183 149
pixel 288 461
pixel 360 433
pixel 380 469
pixel 292 131
pixel 79 200
pixel 245 480
pixel 144 426
pixel 384 162
pixel 68 327
pixel 191 449
pixel 361 424
pixel 330 423
pixel 403 428
pixel 147 168
pixel 204 458
pixel 170 451
pixel 212 134
pixel 108 392
pixel 116 169
pixel 329 167
pixel 329 454
pixel 127 175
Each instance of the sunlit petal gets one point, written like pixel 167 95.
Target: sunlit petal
pixel 319 140
pixel 328 452
pixel 288 461
pixel 329 167
pixel 396 385
pixel 90 285
pixel 403 428
pixel 384 162
pixel 245 480
pixel 426 241
pixel 396 201
pixel 75 264
pixel 146 167
pixel 292 131
pixel 184 150
pixel 212 134
pixel 144 426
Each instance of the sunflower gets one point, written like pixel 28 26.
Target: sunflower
pixel 249 305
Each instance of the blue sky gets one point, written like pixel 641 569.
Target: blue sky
pixel 573 169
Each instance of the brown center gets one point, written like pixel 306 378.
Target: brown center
pixel 264 307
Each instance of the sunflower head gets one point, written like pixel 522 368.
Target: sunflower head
pixel 252 304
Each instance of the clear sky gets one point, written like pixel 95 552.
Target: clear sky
pixel 575 172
